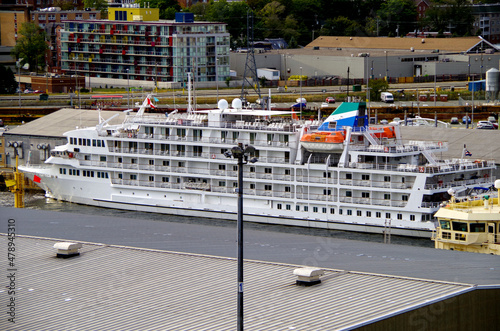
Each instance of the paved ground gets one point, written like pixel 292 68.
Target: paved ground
pixel 220 239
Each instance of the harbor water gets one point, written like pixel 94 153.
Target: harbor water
pixel 38 201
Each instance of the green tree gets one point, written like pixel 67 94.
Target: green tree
pixel 64 4
pixel 167 8
pixel 101 5
pixel 398 17
pixel 8 82
pixel 377 86
pixel 341 26
pixel 31 46
pixel 271 19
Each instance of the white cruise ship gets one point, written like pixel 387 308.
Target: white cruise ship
pixel 338 174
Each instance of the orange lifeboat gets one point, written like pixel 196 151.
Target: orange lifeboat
pixel 386 132
pixel 323 141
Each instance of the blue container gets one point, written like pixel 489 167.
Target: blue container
pixel 184 17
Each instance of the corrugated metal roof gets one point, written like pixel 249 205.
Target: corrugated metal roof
pixel 124 288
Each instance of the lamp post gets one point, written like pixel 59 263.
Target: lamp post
pixel 18 63
pixel 128 89
pixel 300 103
pixel 241 153
pixel 217 77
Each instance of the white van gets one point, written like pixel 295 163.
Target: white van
pixel 386 97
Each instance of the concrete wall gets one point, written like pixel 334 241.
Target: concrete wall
pixel 360 67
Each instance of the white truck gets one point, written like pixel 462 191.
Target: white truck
pixel 269 74
pixel 386 97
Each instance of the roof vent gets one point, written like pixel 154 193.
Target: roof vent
pixel 67 249
pixel 308 276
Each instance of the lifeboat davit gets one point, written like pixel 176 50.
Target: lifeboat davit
pixel 323 141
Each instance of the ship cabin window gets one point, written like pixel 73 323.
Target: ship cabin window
pixel 387 178
pixel 151 162
pixel 358 213
pixel 404 197
pixel 348 176
pixel 269 138
pixel 221 183
pixel 252 169
pixel 288 189
pixel 148 130
pixel 80 141
pixel 252 137
pixel 151 178
pixel 278 206
pixel 148 146
pixel 236 134
pixel 181 133
pixel 387 215
pixel 368 213
pixel 133 161
pixel 459 226
pixel 477 227
pixel 332 210
pixel 222 167
pixel 349 212
pixel 84 142
pixel 400 216
pixel 365 177
pixel 268 170
pixel 120 160
pixel 252 186
pixel 327 174
pixel 235 184
pixel 387 196
pixel 315 209
pixel 120 176
pixel 181 164
pixel 268 187
pixel 88 142
pixel 340 211
pixel 288 207
pixel 287 171
pixel 133 177
pixel 297 208
pixel 348 194
pixel 378 214
pixel 365 195
pixel 103 158
pixel 87 157
pixel 235 168
pixel 412 217
pixel 223 135
pixel 165 179
pixel 62 171
pixel 327 192
pixel 166 163
pixel 332 125
pixel 306 208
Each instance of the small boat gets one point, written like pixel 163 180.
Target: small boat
pixel 323 141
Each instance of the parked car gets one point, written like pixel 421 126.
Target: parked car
pixel 330 100
pixel 485 125
pixel 454 120
pixel 384 122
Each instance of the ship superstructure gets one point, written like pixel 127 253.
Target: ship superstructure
pixel 335 174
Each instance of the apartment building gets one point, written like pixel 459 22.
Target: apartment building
pixel 133 44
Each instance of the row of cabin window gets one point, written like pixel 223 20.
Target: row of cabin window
pixel 85 173
pixel 87 142
pixel 462 226
pixel 341 211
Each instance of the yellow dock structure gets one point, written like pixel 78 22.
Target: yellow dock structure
pixel 17 186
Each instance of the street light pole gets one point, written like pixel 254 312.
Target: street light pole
pixel 300 103
pixel 217 77
pixel 19 80
pixel 241 154
pixel 128 89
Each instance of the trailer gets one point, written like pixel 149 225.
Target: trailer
pixel 269 74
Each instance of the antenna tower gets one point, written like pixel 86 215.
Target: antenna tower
pixel 250 66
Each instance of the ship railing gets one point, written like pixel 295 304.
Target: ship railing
pixel 432 205
pixel 460 183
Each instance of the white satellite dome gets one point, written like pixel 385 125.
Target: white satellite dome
pixel 222 105
pixel 236 104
